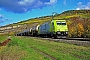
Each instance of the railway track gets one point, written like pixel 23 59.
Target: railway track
pixel 75 41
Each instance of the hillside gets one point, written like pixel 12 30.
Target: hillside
pixel 76 12
pixel 71 15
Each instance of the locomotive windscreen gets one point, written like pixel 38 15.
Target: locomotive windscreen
pixel 61 23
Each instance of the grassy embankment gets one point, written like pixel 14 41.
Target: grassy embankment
pixel 23 48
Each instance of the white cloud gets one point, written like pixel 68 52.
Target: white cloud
pixel 25 2
pixel 51 2
pixel 87 7
pixel 1 16
pixel 80 3
pixel 77 8
pixel 21 6
pixel 64 2
pixel 83 6
pixel 0 9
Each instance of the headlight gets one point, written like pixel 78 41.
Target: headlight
pixel 58 33
pixel 66 32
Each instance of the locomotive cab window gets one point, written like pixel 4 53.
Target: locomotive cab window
pixel 63 23
pixel 59 23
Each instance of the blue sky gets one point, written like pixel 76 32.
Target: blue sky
pixel 12 11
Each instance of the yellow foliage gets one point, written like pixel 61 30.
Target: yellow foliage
pixel 88 27
pixel 69 22
pixel 80 29
pixel 72 31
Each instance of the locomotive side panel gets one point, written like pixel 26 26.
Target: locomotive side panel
pixel 44 28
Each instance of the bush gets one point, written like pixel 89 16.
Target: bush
pixel 12 43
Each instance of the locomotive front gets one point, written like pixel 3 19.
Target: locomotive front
pixel 60 28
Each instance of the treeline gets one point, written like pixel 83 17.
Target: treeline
pixel 79 27
pixel 76 12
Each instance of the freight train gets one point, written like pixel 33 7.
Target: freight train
pixel 53 28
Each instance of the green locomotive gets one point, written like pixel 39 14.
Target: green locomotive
pixel 53 28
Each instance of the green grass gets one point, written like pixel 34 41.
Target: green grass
pixel 2 38
pixel 21 48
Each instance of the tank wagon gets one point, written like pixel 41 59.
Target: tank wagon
pixel 26 32
pixel 34 31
